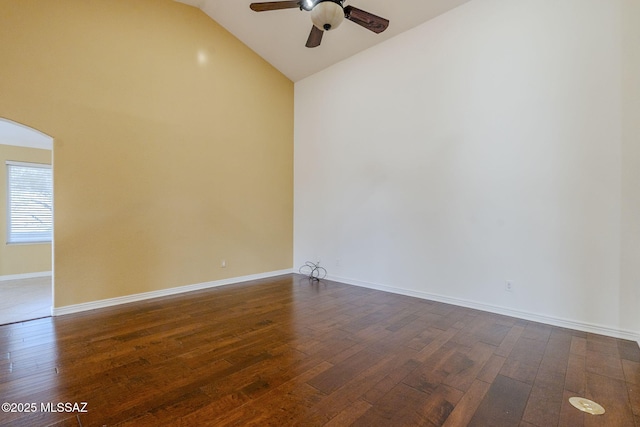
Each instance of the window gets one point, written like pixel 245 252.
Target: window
pixel 29 203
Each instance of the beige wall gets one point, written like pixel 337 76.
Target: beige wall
pixel 22 258
pixel 173 143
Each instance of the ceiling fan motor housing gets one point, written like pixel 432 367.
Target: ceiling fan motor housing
pixel 327 14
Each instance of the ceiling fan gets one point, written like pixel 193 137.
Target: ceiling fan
pixel 326 15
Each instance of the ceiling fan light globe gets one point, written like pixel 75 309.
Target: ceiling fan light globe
pixel 327 15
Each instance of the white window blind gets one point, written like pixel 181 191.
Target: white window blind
pixel 30 203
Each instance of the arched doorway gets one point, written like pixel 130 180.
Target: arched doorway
pixel 26 223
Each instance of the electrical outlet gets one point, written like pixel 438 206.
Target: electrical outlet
pixel 223 264
pixel 508 286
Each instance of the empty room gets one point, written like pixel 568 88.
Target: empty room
pixel 322 213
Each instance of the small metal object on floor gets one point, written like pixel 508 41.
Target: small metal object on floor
pixel 586 405
pixel 313 271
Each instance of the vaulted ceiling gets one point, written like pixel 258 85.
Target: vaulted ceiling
pixel 279 36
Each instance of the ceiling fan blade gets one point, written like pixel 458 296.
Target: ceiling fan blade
pixel 366 19
pixel 315 37
pixel 274 5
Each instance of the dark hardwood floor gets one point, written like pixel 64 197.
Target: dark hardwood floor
pixel 285 351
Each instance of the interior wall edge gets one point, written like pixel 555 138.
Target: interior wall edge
pixel 110 302
pixel 525 315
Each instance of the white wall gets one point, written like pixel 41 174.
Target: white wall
pixel 630 263
pixel 483 146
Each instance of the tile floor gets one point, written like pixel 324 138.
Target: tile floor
pixel 25 299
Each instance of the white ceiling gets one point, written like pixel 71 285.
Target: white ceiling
pixel 279 36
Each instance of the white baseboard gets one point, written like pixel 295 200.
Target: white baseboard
pixel 24 276
pixel 554 321
pixel 76 308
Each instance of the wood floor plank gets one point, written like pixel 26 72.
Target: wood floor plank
pixel 434 370
pixel 476 358
pixel 284 405
pixel 569 415
pixel 491 368
pixel 634 398
pixel 468 404
pixel 343 372
pixel 349 415
pixel 604 364
pixel 629 350
pixel 286 351
pixel 544 404
pixel 507 344
pixel 503 404
pixel 613 395
pixel 575 377
pixel 631 371
pixel 370 384
pixel 390 380
pixel 415 410
pixel 537 331
pixel 578 346
pixel 524 359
